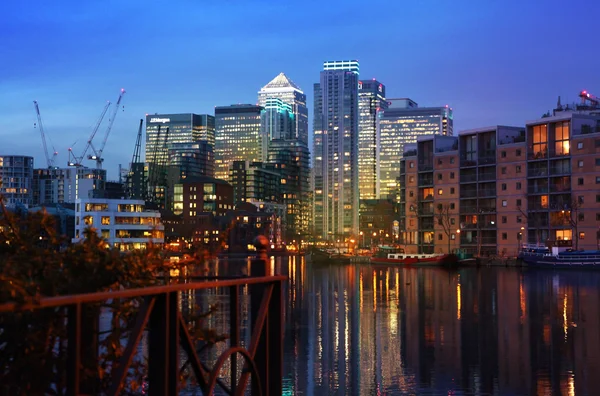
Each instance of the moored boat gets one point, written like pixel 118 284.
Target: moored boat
pixel 559 257
pixel 397 256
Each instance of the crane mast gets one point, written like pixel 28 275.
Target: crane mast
pixel 98 153
pixel 49 161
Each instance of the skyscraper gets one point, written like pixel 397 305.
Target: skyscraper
pixel 336 150
pixel 281 87
pixel 371 100
pixel 401 123
pixel 237 136
pixel 165 129
pixel 276 122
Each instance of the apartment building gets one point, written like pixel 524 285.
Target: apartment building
pixel 504 186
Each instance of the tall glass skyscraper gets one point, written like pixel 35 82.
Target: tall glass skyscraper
pixel 281 87
pixel 168 137
pixel 237 136
pixel 336 150
pixel 371 100
pixel 403 122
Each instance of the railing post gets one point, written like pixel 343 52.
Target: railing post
pixel 259 268
pixel 275 340
pixel 163 346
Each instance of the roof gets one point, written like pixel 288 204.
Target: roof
pixel 281 81
pixel 203 179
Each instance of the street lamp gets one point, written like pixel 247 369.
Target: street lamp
pixel 362 236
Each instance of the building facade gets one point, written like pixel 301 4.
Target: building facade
pixel 402 123
pixel 16 177
pixel 165 132
pixel 237 137
pixel 66 185
pixel 124 223
pixel 335 165
pixel 281 87
pixel 371 100
pixel 504 187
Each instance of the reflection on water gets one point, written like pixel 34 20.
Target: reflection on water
pixel 363 330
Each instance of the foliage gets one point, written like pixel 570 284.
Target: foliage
pixel 36 262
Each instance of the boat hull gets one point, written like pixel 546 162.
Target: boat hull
pixel 413 262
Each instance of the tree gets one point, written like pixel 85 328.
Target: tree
pixel 444 217
pixel 36 262
pixel 570 212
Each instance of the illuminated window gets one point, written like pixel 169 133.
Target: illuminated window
pixel 105 220
pixel 440 192
pixel 582 235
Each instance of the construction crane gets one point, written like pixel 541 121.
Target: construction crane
pixel 49 161
pixel 136 181
pixel 98 153
pixel 77 160
pixel 588 97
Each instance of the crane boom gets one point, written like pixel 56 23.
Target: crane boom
pixel 98 153
pixel 138 144
pixel 77 161
pixel 49 161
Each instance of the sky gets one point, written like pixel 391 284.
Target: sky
pixel 493 62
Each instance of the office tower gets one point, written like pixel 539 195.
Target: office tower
pixel 371 100
pixel 16 177
pixel 291 158
pixel 336 150
pixel 66 185
pixel 285 127
pixel 281 87
pixel 163 130
pixel 401 123
pixel 237 136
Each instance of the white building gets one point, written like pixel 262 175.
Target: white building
pixel 66 185
pixel 123 223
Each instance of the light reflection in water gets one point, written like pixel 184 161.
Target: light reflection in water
pixel 473 331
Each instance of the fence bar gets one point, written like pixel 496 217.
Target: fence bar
pixel 73 348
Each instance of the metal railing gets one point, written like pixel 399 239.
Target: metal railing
pixel 159 314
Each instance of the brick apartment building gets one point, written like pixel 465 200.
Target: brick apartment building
pixel 489 190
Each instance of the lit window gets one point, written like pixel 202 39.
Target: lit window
pixel 582 235
pixel 440 192
pixel 504 203
pixel 105 220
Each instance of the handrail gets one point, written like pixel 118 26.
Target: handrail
pixel 59 301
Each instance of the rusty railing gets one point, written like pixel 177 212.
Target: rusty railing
pixel 160 316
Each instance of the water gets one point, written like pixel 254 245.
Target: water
pixel 363 330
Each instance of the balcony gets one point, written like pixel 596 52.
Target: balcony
pixel 537 190
pixel 560 170
pixel 560 189
pixel 473 241
pixel 486 192
pixel 487 157
pixel 468 192
pixel 538 154
pixel 424 167
pixel 487 176
pixel 533 172
pixel 468 178
pixel 425 180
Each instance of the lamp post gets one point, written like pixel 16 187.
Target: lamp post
pixel 362 236
pixel 373 240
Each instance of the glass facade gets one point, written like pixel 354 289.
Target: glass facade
pixel 399 126
pixel 237 136
pixel 277 122
pixel 336 150
pixel 281 87
pixel 371 100
pixel 163 130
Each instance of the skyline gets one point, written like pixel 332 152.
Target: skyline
pixel 492 63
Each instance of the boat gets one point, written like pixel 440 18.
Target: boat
pixel 327 256
pixel 557 256
pixel 396 256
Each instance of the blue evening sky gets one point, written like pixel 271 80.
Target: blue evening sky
pixel 494 62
